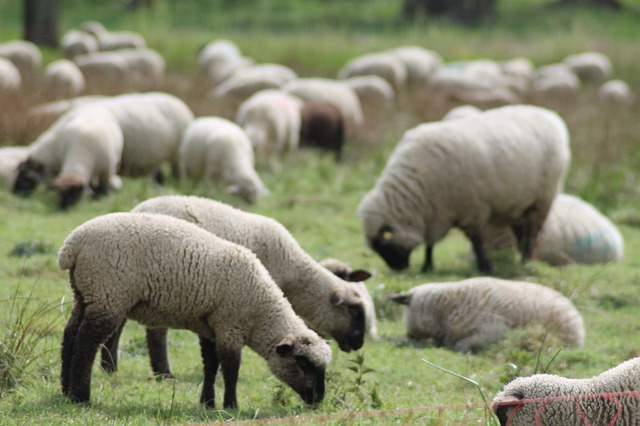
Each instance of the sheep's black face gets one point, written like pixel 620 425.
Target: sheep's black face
pixel 395 255
pixel 304 376
pixel 30 173
pixel 505 409
pixel 313 393
pixel 70 196
pixel 353 339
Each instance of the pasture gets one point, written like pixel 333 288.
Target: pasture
pixel 316 199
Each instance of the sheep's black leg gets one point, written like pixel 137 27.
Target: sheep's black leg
pixel 109 351
pixel 95 328
pixel 230 362
pixel 211 363
pixel 428 259
pixel 68 341
pixel 483 263
pixel 157 344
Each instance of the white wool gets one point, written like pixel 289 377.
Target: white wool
pixel 25 55
pixel 10 79
pixel 62 79
pixel 76 43
pixel 590 66
pixel 616 93
pixel 383 64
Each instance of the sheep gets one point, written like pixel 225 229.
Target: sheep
pixel 383 64
pixel 10 78
pixel 152 125
pixel 10 159
pixel 271 119
pixel 335 92
pixel 461 111
pixel 217 52
pixel 328 304
pixel 356 276
pixel 615 93
pixel 81 150
pixel 376 96
pixel 420 63
pixel 62 79
pixel 25 55
pixel 113 40
pixel 172 273
pixel 105 72
pixel 322 126
pixel 76 43
pixel 470 314
pixel 592 67
pixel 216 149
pixel 555 81
pixel 503 166
pixel 145 66
pixel 610 398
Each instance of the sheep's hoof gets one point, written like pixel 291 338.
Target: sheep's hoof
pixel 163 376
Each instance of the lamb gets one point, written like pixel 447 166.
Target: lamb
pixel 10 159
pixel 216 149
pixel 175 274
pixel 82 149
pixel 610 398
pixel 322 126
pixel 25 55
pixel 328 304
pixel 470 314
pixel 152 125
pixel 503 166
pixel 616 93
pixel 356 276
pixel 271 120
pixel 335 92
pixel 590 66
pixel 62 79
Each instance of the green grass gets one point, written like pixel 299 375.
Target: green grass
pixel 316 200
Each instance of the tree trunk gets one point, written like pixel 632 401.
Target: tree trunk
pixel 41 22
pixel 613 4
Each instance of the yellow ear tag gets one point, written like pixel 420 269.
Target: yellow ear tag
pixel 387 235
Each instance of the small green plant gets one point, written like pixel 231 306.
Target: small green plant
pixel 30 247
pixel 363 395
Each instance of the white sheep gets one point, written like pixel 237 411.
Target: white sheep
pixel 105 72
pixel 592 67
pixel 271 120
pixel 10 159
pixel 216 53
pixel 215 149
pixel 62 79
pixel 554 81
pixel 10 78
pixel 420 63
pixel 81 150
pixel 461 111
pixel 376 96
pixel 171 273
pixel 502 166
pixel 470 314
pixel 383 64
pixel 113 40
pixel 145 66
pixel 610 398
pixel 152 124
pixel 335 92
pixel 328 304
pixel 356 276
pixel 76 43
pixel 616 93
pixel 518 73
pixel 25 55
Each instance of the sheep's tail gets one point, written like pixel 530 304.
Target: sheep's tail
pixel 66 256
pixel 403 299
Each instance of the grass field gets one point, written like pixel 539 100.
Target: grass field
pixel 316 199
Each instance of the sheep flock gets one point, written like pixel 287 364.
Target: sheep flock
pixel 490 159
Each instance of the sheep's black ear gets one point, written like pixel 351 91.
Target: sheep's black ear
pixel 358 275
pixel 285 347
pixel 403 299
pixel 337 298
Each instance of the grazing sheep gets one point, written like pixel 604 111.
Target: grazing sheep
pixel 335 92
pixel 328 304
pixel 555 81
pixel 113 40
pixel 144 66
pixel 171 273
pixel 10 159
pixel 356 276
pixel 105 72
pixel 616 93
pixel 420 63
pixel 610 398
pixel 592 67
pixel 376 96
pixel 10 79
pixel 76 43
pixel 81 150
pixel 25 55
pixel 271 120
pixel 469 314
pixel 216 53
pixel 502 166
pixel 383 64
pixel 216 149
pixel 461 111
pixel 518 73
pixel 322 126
pixel 62 79
pixel 152 125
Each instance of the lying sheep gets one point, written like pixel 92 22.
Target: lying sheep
pixel 152 125
pixel 322 126
pixel 10 159
pixel 502 166
pixel 216 149
pixel 25 55
pixel 616 93
pixel 611 398
pixel 470 314
pixel 328 304
pixel 172 273
pixel 356 276
pixel 80 151
pixel 271 120
pixel 62 79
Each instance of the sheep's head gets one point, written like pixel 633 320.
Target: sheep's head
pixel 70 187
pixel 30 174
pixel 300 362
pixel 347 318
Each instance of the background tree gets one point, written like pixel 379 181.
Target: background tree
pixel 41 21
